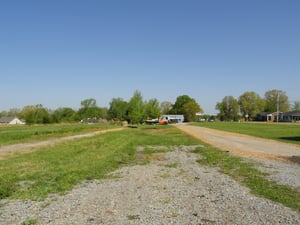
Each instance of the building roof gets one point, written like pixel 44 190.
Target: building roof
pixel 293 113
pixel 7 119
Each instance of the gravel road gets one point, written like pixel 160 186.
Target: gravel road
pixel 281 160
pixel 244 145
pixel 172 189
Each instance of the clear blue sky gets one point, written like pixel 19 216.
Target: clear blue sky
pixel 60 52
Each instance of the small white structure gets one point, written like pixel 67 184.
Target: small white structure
pixel 174 118
pixel 11 120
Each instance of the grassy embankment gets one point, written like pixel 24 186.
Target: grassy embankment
pixel 58 168
pixel 285 132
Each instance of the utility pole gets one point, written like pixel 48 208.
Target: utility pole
pixel 278 94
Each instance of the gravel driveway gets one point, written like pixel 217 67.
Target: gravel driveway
pixel 244 145
pixel 281 160
pixel 172 189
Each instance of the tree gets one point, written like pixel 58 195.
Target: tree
pixel 251 104
pixel 276 98
pixel 152 109
pixel 190 109
pixel 63 115
pixel 118 109
pixel 35 114
pixel 186 106
pixel 88 103
pixel 296 106
pixel 178 107
pixel 89 109
pixel 229 109
pixel 136 108
pixel 165 107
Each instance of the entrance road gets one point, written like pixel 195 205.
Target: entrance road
pixel 244 145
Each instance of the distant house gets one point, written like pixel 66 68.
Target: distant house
pixel 11 120
pixel 266 116
pixel 282 117
pixel 291 116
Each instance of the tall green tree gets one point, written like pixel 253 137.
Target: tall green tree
pixel 152 109
pixel 178 107
pixel 276 99
pixel 251 104
pixel 228 109
pixel 190 109
pixel 89 109
pixel 136 108
pixel 186 106
pixel 118 109
pixel 64 114
pixel 35 114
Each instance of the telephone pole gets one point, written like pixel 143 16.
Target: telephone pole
pixel 278 94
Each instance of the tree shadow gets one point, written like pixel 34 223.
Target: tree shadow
pixel 294 159
pixel 296 138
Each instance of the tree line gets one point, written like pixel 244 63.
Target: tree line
pixel 250 104
pixel 135 111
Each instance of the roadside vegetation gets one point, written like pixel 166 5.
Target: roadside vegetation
pixel 284 132
pixel 19 134
pixel 248 175
pixel 57 169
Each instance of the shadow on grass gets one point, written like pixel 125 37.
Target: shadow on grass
pixel 296 138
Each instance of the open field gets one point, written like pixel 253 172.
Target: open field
pixel 19 134
pixel 58 168
pixel 285 132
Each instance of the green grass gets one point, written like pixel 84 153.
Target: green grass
pixel 59 168
pixel 248 175
pixel 19 134
pixel 280 132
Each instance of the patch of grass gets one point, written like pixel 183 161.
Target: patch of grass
pixel 172 165
pixel 30 222
pixel 19 134
pixel 133 217
pixel 247 174
pixel 280 132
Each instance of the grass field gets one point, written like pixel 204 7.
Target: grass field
pixel 59 168
pixel 19 134
pixel 281 132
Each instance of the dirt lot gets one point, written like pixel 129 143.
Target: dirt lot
pixel 244 145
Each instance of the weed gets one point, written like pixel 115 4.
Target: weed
pixel 172 165
pixel 133 217
pixel 30 221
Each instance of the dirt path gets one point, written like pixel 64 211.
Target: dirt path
pixel 245 145
pixel 10 150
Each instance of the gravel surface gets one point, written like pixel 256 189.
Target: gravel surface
pixel 245 145
pixel 172 189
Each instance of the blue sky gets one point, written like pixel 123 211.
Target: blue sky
pixel 60 52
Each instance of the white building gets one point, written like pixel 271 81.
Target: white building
pixel 11 120
pixel 174 118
